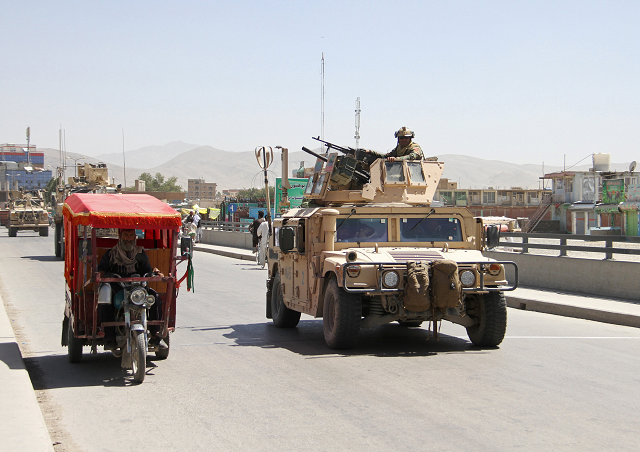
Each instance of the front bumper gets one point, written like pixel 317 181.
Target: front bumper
pixel 402 271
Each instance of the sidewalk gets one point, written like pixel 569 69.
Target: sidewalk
pixel 580 306
pixel 22 426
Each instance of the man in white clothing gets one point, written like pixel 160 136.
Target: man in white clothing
pixel 263 236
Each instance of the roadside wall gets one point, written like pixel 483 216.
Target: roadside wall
pixel 225 238
pixel 607 278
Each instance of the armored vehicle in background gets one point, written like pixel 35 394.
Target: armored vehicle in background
pixel 372 248
pixel 91 178
pixel 27 212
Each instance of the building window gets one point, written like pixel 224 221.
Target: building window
pixel 489 197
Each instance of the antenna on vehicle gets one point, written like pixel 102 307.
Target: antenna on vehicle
pixel 357 137
pixel 124 163
pixel 322 99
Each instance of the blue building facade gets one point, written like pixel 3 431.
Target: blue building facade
pixel 33 179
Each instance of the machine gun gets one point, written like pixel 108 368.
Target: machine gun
pixel 360 154
pixel 345 170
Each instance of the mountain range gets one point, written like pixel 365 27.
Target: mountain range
pixel 240 169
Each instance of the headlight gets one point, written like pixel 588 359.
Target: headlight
pixel 138 296
pixel 390 279
pixel 467 278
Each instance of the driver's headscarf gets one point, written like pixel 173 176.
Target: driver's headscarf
pixel 123 258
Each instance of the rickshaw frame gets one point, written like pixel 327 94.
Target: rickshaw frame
pixel 82 213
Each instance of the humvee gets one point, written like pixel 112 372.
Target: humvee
pixel 91 178
pixel 372 247
pixel 27 212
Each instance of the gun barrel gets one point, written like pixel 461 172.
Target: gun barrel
pixel 309 151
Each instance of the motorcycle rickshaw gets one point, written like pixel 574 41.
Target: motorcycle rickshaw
pixel 91 224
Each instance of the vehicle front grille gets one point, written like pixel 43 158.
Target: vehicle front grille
pixel 415 255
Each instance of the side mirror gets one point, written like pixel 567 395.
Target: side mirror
pixel 186 247
pixel 493 236
pixel 286 238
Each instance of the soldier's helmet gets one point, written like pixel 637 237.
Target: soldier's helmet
pixel 404 132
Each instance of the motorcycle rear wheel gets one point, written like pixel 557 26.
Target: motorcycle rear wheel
pixel 138 357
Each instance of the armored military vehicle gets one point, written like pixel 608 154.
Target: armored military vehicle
pixel 372 247
pixel 91 178
pixel 27 212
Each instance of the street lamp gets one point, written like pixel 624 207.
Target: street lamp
pixel 11 186
pixel 75 161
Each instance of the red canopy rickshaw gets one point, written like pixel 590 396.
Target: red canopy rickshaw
pixel 91 223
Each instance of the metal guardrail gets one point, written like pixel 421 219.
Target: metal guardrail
pixel 229 226
pixel 562 247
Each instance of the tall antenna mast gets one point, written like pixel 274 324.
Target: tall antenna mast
pixel 124 162
pixel 322 99
pixel 357 137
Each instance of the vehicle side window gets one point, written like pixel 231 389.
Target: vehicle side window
pixel 362 230
pixel 430 230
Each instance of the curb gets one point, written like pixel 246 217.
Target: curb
pixel 232 254
pixel 596 315
pixel 22 425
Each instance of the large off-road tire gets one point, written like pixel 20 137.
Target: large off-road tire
pixel 74 345
pixel 283 317
pixel 57 243
pixel 163 353
pixel 13 232
pixel 341 316
pixel 410 323
pixel 138 357
pixel 490 313
pixel 44 232
pixel 62 249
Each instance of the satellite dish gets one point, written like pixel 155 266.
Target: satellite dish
pixel 632 166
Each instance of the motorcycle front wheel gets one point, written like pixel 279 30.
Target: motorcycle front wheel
pixel 138 356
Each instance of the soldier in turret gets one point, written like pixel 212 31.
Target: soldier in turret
pixel 405 150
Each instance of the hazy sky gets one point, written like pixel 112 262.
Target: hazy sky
pixel 519 81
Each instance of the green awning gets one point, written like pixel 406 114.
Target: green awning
pixel 607 208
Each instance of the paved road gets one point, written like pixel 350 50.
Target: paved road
pixel 233 382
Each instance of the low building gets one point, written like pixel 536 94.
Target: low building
pixel 598 201
pixel 514 202
pixel 199 189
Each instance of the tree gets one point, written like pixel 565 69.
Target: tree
pixel 158 183
pixel 255 194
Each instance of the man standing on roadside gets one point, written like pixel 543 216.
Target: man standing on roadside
pixel 253 228
pixel 196 222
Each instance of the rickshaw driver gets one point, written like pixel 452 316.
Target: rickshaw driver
pixel 126 259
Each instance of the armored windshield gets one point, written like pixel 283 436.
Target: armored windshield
pixel 395 173
pixel 415 172
pixel 430 230
pixel 362 230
